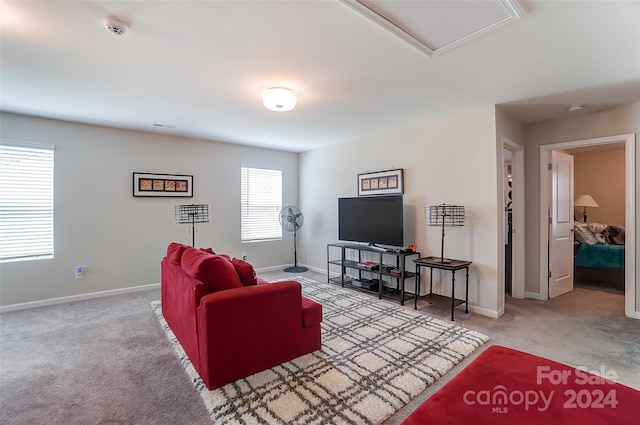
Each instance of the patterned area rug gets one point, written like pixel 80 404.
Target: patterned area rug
pixel 376 356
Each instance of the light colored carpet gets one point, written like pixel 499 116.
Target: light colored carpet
pixel 376 356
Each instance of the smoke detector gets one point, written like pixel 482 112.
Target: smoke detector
pixel 115 26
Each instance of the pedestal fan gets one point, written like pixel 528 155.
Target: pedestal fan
pixel 291 220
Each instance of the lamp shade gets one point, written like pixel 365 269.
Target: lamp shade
pixel 585 201
pixel 193 213
pixel 279 99
pixel 445 215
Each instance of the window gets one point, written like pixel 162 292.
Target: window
pixel 26 202
pixel 261 202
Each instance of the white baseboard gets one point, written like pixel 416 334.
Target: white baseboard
pixel 80 297
pixel 533 295
pixel 284 266
pixel 319 270
pixel 484 312
pixel 273 268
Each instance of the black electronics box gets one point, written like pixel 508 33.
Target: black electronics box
pixel 368 284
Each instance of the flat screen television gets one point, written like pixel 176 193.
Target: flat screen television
pixel 374 219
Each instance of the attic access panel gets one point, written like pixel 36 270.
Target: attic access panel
pixel 434 26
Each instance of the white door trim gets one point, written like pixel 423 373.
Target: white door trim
pixel 630 212
pixel 518 245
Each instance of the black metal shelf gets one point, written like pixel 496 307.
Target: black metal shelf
pixel 351 264
pixel 390 293
pixel 382 272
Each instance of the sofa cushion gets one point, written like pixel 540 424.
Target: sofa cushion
pixel 215 271
pixel 175 251
pixel 245 271
pixel 311 313
pixel 208 250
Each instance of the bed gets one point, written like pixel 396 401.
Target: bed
pixel 599 255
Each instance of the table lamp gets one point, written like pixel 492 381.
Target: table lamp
pixel 446 216
pixel 192 213
pixel 585 201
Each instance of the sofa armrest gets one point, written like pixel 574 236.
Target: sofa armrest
pixel 253 307
pixel 244 330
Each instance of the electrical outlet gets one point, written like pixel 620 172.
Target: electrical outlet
pixel 79 273
pixel 244 256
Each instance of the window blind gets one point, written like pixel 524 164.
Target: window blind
pixel 26 202
pixel 261 202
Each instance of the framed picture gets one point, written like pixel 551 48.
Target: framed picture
pixel 174 185
pixel 388 182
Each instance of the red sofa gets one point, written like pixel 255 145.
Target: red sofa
pixel 231 324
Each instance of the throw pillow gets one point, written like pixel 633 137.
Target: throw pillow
pixel 583 234
pixel 614 235
pixel 175 251
pixel 245 271
pixel 215 271
pixel 208 250
pixel 598 231
pixel 596 227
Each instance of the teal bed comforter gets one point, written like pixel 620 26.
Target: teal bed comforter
pixel 600 255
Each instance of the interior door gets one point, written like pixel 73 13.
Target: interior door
pixel 561 226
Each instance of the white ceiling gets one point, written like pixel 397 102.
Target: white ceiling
pixel 201 66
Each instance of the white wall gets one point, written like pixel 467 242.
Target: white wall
pixel 119 239
pixel 601 175
pixel 512 130
pixel 449 160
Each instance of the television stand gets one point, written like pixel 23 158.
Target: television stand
pixel 371 272
pixel 376 248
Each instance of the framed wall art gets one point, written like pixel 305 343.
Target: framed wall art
pixel 389 182
pixel 168 185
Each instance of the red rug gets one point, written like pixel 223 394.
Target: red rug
pixel 505 386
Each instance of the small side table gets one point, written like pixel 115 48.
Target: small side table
pixel 452 266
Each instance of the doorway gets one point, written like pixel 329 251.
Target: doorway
pixel 630 260
pixel 514 211
pixel 599 193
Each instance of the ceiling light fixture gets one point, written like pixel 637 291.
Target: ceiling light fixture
pixel 575 108
pixel 115 26
pixel 279 99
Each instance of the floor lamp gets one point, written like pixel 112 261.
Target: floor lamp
pixel 445 216
pixel 192 214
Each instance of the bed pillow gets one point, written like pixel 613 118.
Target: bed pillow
pixel 614 235
pixel 583 233
pixel 598 230
pixel 596 227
